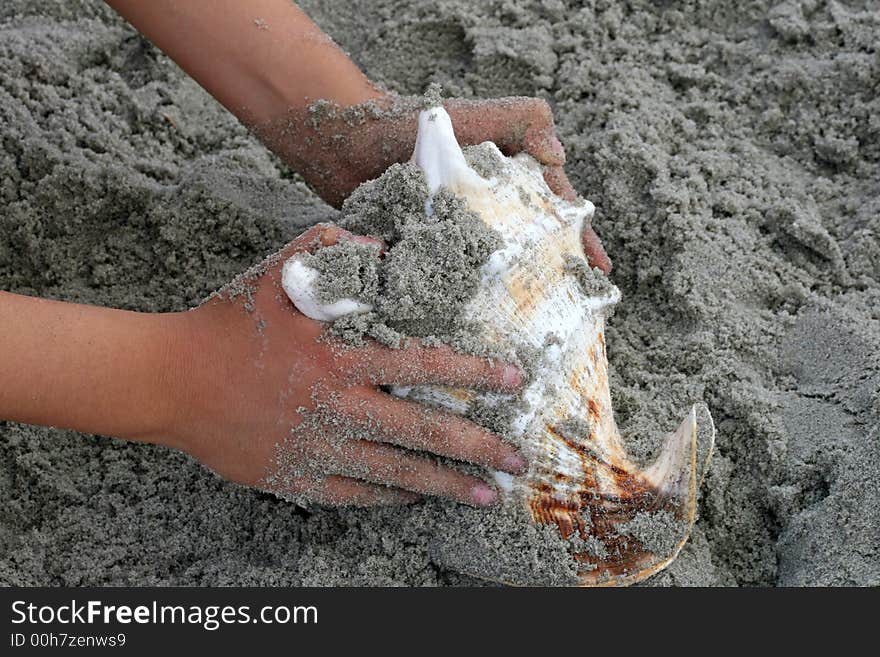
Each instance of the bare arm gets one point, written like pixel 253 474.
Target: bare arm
pixel 259 58
pixel 86 368
pixel 266 61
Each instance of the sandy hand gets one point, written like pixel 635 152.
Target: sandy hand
pixel 278 406
pixel 336 149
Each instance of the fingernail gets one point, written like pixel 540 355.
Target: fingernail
pixel 514 464
pixel 511 376
pixel 482 495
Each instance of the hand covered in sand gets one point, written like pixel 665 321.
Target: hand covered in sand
pixel 277 405
pixel 337 148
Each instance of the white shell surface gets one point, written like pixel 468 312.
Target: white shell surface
pixel 298 281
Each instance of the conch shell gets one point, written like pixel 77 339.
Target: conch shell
pixel 580 479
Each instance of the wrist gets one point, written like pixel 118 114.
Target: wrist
pixel 305 66
pixel 172 382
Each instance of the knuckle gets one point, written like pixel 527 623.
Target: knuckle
pixel 321 234
pixel 333 234
pixel 327 498
pixel 543 112
pixel 483 448
pixel 344 364
pixel 308 486
pixel 446 435
pixel 356 367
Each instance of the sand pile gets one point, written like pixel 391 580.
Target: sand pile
pixel 732 152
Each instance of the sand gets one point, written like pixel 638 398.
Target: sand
pixel 430 269
pixel 731 150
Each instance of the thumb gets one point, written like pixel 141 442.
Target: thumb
pixel 515 124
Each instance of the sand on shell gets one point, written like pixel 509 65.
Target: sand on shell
pixel 731 151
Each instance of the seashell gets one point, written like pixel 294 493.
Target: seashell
pixel 580 480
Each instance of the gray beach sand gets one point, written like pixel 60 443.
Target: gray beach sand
pixel 732 151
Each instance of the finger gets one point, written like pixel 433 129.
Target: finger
pixel 515 124
pixel 542 143
pixel 390 466
pixel 418 427
pixel 558 183
pixel 338 490
pixel 416 364
pixel 595 252
pixel 334 490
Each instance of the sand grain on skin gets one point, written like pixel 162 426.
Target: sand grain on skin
pixel 731 150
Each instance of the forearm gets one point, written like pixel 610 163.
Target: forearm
pixel 259 58
pixel 96 370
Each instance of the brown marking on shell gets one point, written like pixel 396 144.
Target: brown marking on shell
pixel 592 510
pixel 548 509
pixel 626 559
pixel 526 290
